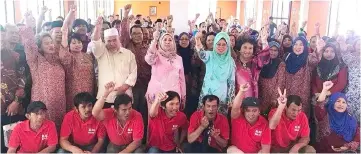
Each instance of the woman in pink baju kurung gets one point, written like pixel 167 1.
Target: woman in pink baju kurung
pixel 167 69
pixel 48 75
pixel 249 66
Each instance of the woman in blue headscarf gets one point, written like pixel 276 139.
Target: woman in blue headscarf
pixel 338 130
pixel 299 66
pixel 219 79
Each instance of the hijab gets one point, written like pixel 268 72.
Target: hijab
pixel 185 53
pixel 171 53
pixel 222 65
pixel 286 49
pixel 295 62
pixel 269 71
pixel 341 123
pixel 328 69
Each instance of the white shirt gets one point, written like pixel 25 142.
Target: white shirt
pixel 119 66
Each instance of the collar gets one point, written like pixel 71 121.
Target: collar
pixel 77 116
pixel 28 129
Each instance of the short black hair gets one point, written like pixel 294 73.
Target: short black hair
pixel 83 98
pixel 270 18
pixel 210 98
pixel 117 15
pixel 242 40
pixel 76 37
pixel 122 99
pixel 137 22
pixel 135 26
pixel 201 24
pixel 222 20
pixel 171 95
pixel 115 22
pixel 293 99
pixel 78 22
pixel 110 16
pixel 138 15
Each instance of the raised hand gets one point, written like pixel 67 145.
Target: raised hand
pixel 198 38
pixel 320 44
pixel 282 99
pixel 161 97
pixel 215 132
pixel 109 87
pixel 29 19
pixel 197 15
pixel 99 22
pixel 327 85
pixel 244 87
pixel 170 18
pixel 250 22
pixel 304 24
pixel 127 8
pixel 73 8
pixel 44 9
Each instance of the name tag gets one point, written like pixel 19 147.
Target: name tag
pixel 258 133
pixel 297 128
pixel 44 137
pixel 130 131
pixel 91 131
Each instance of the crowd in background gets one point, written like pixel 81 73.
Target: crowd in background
pixel 133 85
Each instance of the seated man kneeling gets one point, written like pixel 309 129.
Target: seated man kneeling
pixel 165 123
pixel 80 131
pixel 36 135
pixel 250 131
pixel 291 132
pixel 124 125
pixel 208 130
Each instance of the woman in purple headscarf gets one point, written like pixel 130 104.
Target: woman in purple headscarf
pixel 338 129
pixel 299 66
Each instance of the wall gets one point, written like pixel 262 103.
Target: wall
pixel 318 12
pixel 266 13
pixel 295 14
pixel 241 14
pixel 142 7
pixel 226 9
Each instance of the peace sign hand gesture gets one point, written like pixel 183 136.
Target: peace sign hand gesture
pixel 282 99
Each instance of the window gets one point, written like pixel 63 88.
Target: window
pixel 280 11
pixel 347 14
pixel 93 8
pixel 250 11
pixel 7 13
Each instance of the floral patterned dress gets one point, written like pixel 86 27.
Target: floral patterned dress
pixel 48 77
pixel 353 88
pixel 79 71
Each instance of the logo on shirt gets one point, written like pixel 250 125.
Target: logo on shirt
pixel 297 128
pixel 258 133
pixel 44 137
pixel 130 131
pixel 174 127
pixel 91 131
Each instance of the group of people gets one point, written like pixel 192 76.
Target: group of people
pixel 132 87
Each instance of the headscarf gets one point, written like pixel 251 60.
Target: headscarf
pixel 286 49
pixel 328 69
pixel 172 52
pixel 295 62
pixel 341 123
pixel 222 65
pixel 269 71
pixel 186 54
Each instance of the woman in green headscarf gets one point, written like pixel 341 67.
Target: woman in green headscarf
pixel 219 79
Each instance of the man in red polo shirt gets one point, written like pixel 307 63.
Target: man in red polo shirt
pixel 87 133
pixel 289 125
pixel 124 125
pixel 208 131
pixel 165 121
pixel 250 131
pixel 36 135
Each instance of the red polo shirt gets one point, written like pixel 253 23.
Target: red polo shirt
pixel 220 123
pixel 83 132
pixel 289 130
pixel 132 131
pixel 249 138
pixel 162 129
pixel 29 141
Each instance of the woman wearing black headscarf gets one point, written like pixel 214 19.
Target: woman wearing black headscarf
pixel 184 49
pixel 286 45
